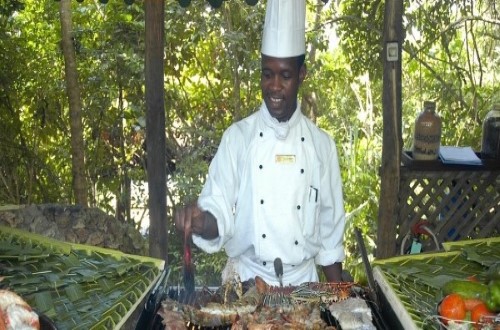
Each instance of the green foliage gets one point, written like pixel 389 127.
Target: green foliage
pixel 212 72
pixel 361 34
pixel 452 58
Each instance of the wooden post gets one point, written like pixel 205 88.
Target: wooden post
pixel 155 128
pixel 392 138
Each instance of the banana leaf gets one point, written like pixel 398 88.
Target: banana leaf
pixel 416 280
pixel 77 286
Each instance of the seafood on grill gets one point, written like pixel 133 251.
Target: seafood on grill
pixel 303 316
pixel 256 304
pixel 353 314
pixel 15 313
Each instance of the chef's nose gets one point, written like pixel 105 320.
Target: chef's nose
pixel 275 83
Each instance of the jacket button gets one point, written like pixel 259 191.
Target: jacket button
pixel 260 166
pixel 296 242
pixel 261 134
pixel 301 171
pixel 302 139
pixel 298 207
pixel 264 263
pixel 263 235
pixel 262 201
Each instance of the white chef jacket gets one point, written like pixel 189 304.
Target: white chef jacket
pixel 276 191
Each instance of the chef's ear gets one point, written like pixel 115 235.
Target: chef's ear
pixel 302 72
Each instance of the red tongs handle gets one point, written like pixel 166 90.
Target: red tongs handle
pixel 187 242
pixel 188 271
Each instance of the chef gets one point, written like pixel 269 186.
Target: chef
pixel 274 188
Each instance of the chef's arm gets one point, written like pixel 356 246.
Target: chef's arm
pixel 333 272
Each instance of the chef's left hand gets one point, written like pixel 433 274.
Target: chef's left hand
pixel 333 272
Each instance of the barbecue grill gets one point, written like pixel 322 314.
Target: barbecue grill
pixel 163 291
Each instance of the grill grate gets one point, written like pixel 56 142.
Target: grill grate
pixel 202 296
pixel 222 308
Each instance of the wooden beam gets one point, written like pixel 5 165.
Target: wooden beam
pixel 392 138
pixel 155 127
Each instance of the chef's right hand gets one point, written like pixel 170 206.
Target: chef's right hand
pixel 189 218
pixel 196 221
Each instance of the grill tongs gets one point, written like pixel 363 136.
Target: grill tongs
pixel 278 269
pixel 188 267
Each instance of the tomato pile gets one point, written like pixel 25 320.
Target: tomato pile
pixel 469 300
pixel 457 308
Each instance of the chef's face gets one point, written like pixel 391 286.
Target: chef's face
pixel 280 80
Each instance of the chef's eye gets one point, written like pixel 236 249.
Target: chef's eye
pixel 266 74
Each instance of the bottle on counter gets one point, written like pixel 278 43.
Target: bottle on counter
pixel 427 135
pixel 490 146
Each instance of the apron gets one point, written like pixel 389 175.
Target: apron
pixel 243 268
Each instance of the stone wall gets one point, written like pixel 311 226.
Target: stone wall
pixel 75 224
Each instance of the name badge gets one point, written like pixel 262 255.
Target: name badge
pixel 284 159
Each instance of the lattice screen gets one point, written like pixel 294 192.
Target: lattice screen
pixel 459 202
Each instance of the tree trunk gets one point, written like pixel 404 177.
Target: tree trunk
pixel 155 128
pixel 123 195
pixel 309 104
pixel 75 105
pixel 392 139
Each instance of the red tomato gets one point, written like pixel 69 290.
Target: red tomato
pixel 481 314
pixel 452 307
pixel 472 278
pixel 472 302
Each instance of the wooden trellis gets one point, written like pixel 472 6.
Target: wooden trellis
pixel 454 201
pixel 458 201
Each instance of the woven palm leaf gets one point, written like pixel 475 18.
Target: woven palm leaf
pixel 76 286
pixel 416 280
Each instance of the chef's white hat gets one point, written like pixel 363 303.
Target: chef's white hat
pixel 284 28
